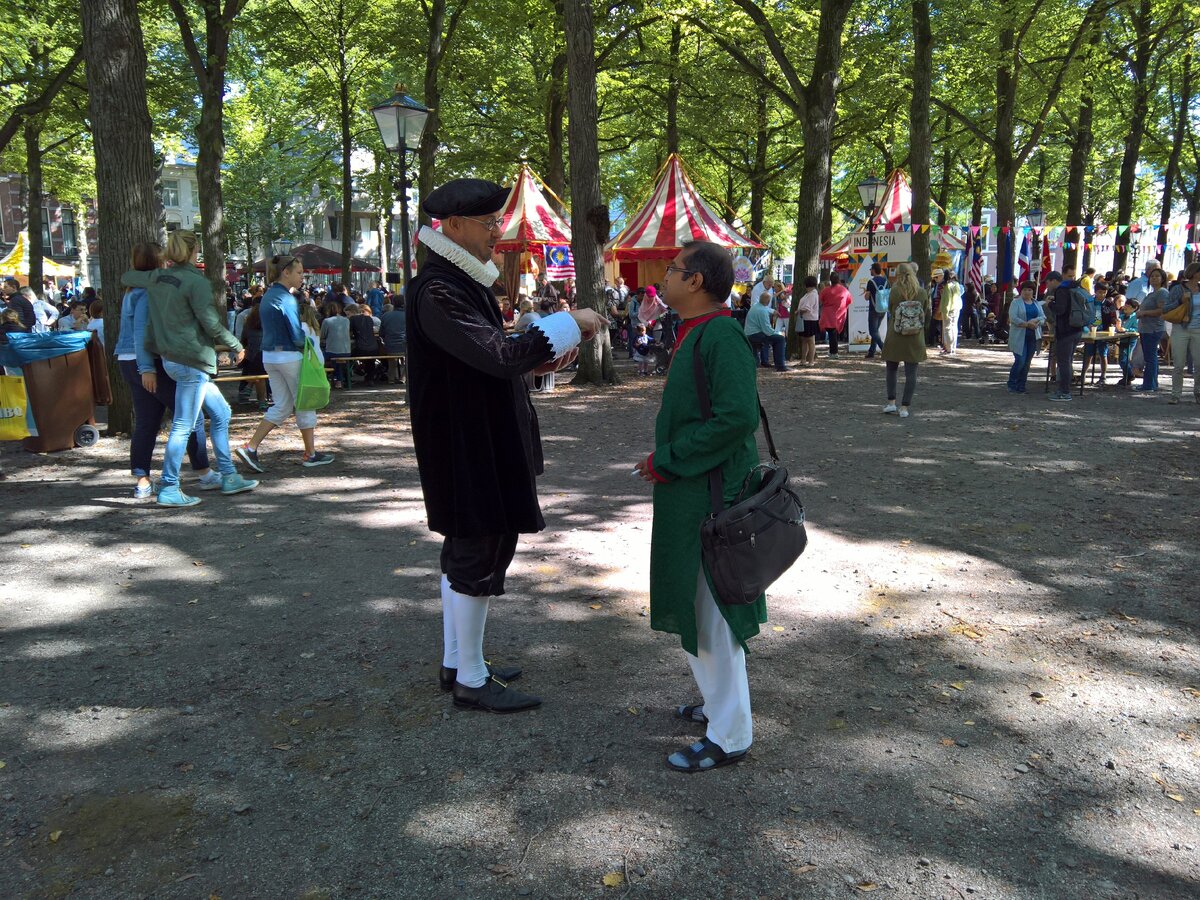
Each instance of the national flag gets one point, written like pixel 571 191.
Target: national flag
pixel 559 263
pixel 1024 261
pixel 976 274
pixel 1047 265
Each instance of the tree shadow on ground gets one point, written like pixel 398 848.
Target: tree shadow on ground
pixel 241 698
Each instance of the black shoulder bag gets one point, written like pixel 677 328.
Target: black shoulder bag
pixel 749 545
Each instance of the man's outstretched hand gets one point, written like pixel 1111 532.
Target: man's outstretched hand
pixel 589 321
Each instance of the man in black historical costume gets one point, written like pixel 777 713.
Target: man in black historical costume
pixel 474 428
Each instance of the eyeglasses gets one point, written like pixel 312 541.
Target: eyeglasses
pixel 490 224
pixel 686 273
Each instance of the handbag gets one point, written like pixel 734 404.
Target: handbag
pixel 13 404
pixel 312 392
pixel 1181 314
pixel 748 545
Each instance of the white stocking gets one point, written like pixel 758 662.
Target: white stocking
pixel 470 618
pixel 449 634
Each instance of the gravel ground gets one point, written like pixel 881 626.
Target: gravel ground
pixel 979 681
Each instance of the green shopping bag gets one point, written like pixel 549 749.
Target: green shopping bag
pixel 313 392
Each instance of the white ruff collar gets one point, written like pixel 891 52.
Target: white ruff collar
pixel 485 273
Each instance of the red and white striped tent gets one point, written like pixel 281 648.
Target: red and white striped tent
pixel 893 212
pixel 529 219
pixel 674 213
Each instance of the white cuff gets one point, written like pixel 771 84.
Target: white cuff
pixel 561 330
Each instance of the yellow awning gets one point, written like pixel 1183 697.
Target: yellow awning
pixel 16 263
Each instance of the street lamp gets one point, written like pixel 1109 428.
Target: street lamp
pixel 401 121
pixel 281 246
pixel 871 192
pixel 1036 217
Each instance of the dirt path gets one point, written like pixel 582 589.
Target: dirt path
pixel 981 680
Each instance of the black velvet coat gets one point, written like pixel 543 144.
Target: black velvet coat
pixel 475 430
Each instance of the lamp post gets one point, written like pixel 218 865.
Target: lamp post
pixel 870 192
pixel 281 246
pixel 401 121
pixel 1036 218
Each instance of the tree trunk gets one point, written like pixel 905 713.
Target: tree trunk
pixel 427 154
pixel 348 222
pixel 758 175
pixel 920 138
pixel 33 204
pixel 121 129
pixel 1007 163
pixel 1181 123
pixel 211 138
pixel 943 197
pixel 1081 151
pixel 1138 74
pixel 589 214
pixel 556 111
pixel 81 240
pixel 673 89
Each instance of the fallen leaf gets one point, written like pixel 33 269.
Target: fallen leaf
pixel 54 836
pixel 804 869
pixel 867 886
pixel 837 724
pixel 193 602
pixel 455 777
pixel 947 742
pixel 777 628
pixel 197 562
pixel 596 606
pixel 1178 798
pixel 959 685
pixel 2 764
pixel 281 746
pixel 26 546
pixel 260 534
pixel 633 710
pixel 613 879
pixel 185 767
pixel 968 722
pixel 294 722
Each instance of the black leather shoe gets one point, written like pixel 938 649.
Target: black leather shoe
pixel 495 696
pixel 446 676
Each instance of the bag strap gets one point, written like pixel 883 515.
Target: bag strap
pixel 716 480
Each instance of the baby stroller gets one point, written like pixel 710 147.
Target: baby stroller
pixel 991 330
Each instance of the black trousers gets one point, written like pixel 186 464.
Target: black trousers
pixel 476 566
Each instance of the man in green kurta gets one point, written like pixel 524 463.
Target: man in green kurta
pixel 686 448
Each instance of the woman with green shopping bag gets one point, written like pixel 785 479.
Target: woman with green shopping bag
pixel 287 325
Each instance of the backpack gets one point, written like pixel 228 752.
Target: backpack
pixel 910 317
pixel 882 296
pixel 1068 301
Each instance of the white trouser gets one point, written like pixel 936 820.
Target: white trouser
pixel 285 384
pixel 720 673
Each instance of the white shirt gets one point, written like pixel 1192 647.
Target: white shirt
pixel 757 291
pixel 1138 288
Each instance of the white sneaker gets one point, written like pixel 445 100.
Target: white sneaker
pixel 890 408
pixel 904 412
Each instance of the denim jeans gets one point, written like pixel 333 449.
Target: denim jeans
pixel 1150 352
pixel 1125 357
pixel 1018 375
pixel 777 344
pixel 148 411
pixel 873 320
pixel 1064 356
pixel 195 395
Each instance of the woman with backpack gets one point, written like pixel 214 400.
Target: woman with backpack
pixel 909 315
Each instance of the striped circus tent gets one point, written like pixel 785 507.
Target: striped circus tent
pixel 529 220
pixel 895 211
pixel 674 213
pixel 16 263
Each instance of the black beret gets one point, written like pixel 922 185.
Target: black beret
pixel 465 197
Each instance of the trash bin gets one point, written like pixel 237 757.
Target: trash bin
pixel 65 377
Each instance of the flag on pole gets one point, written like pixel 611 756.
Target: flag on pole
pixel 976 274
pixel 1024 260
pixel 1047 266
pixel 559 263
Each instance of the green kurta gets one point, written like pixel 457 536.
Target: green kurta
pixel 685 448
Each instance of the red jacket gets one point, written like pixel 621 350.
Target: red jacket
pixel 835 305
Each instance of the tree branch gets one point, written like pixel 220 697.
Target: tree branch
pixel 189 44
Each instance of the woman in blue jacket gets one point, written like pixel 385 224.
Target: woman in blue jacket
pixel 151 388
pixel 283 337
pixel 1025 321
